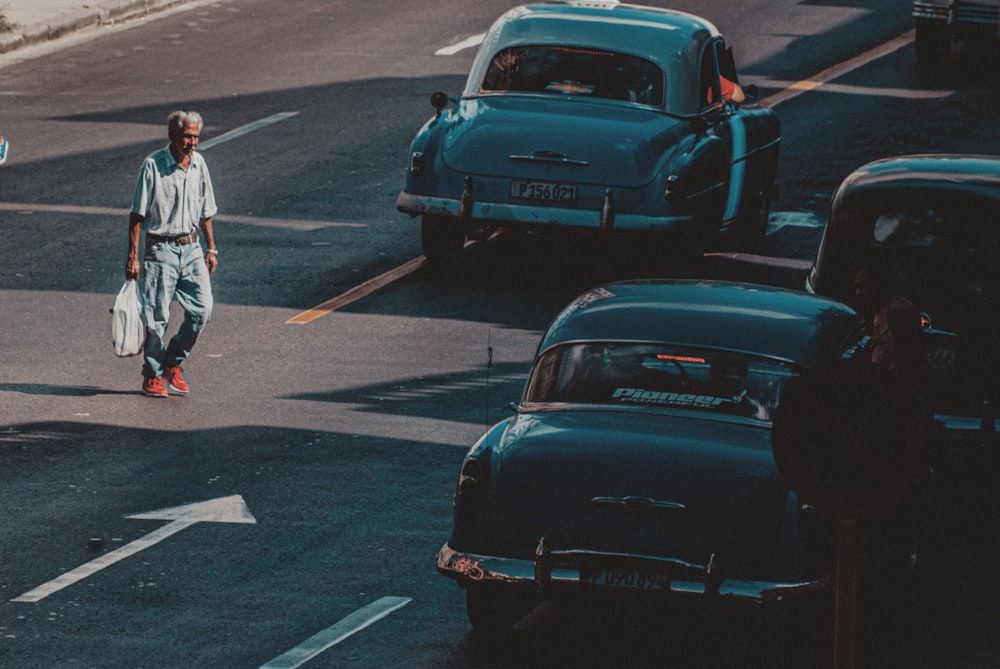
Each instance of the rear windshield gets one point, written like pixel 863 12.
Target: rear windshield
pixel 562 70
pixel 958 232
pixel 946 259
pixel 659 376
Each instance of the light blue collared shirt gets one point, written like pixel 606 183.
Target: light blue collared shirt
pixel 173 201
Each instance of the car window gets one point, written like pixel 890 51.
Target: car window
pixel 939 250
pixel 563 70
pixel 961 234
pixel 715 61
pixel 659 376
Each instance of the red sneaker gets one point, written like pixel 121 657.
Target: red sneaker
pixel 175 381
pixel 154 388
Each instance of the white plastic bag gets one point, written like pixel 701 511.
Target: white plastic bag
pixel 127 329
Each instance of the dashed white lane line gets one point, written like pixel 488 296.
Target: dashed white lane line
pixel 467 43
pixel 288 224
pixel 245 129
pixel 29 208
pixel 331 636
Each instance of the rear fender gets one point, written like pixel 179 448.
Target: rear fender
pixel 472 489
pixel 696 182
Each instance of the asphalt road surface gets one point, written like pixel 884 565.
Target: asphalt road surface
pixel 288 511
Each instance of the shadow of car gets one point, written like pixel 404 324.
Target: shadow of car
pixel 600 116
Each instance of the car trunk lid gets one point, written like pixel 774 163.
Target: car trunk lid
pixel 560 140
pixel 684 489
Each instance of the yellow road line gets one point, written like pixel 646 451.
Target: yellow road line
pixel 358 292
pixel 839 70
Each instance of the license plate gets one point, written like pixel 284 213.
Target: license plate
pixel 636 579
pixel 540 190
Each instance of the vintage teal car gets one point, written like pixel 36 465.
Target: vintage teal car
pixel 639 461
pixel 596 115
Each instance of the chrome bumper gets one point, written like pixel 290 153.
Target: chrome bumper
pixel 511 214
pixel 554 570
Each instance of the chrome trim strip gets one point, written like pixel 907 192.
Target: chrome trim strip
pixel 552 159
pixel 964 423
pixel 737 168
pixel 640 504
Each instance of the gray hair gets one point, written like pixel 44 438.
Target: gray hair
pixel 178 119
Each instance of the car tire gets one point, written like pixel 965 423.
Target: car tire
pixel 493 612
pixel 442 238
pixel 932 44
pixel 796 633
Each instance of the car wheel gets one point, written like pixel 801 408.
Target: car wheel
pixel 495 611
pixel 795 633
pixel 442 238
pixel 932 43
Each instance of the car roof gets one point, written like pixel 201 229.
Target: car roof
pixel 671 39
pixel 774 322
pixel 965 181
pixel 966 174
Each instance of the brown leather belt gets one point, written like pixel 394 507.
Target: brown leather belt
pixel 181 239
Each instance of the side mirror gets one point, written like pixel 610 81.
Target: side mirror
pixel 439 101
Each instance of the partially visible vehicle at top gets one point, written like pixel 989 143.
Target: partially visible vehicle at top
pixel 930 226
pixel 591 114
pixel 938 22
pixel 639 461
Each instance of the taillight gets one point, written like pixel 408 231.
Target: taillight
pixel 472 482
pixel 417 163
pixel 673 190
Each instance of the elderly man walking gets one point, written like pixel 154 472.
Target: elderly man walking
pixel 173 204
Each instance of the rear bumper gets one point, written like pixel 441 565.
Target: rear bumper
pixel 513 215
pixel 553 571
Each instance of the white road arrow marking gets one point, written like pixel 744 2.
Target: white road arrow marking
pixel 222 510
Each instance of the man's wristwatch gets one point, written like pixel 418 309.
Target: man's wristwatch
pixel 215 251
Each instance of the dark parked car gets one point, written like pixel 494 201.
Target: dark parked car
pixel 595 115
pixel 930 226
pixel 639 461
pixel 938 22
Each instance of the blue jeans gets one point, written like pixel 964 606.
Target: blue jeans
pixel 173 271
